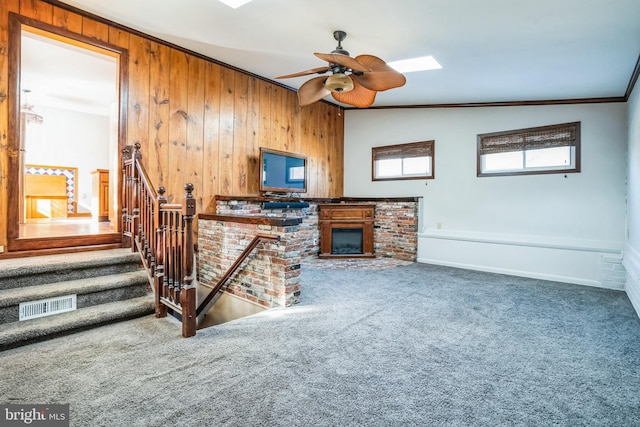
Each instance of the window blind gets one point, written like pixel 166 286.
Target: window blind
pixel 401 151
pixel 561 135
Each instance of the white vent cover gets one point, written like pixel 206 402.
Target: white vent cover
pixel 47 307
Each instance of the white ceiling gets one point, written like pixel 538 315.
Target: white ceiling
pixel 490 50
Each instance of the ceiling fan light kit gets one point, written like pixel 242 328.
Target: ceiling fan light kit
pixel 338 82
pixel 353 81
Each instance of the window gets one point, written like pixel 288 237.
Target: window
pixel 546 149
pixel 414 160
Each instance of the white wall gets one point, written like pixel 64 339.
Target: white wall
pixel 569 228
pixel 71 139
pixel 632 247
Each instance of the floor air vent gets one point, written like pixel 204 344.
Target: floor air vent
pixel 47 307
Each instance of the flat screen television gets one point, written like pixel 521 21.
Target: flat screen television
pixel 282 172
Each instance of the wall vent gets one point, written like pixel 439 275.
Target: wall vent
pixel 47 307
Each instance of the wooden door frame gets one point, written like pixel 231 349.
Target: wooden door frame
pixel 16 24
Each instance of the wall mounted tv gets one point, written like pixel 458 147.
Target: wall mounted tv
pixel 282 172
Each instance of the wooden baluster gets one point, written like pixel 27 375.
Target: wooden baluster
pixel 176 259
pixel 167 256
pixel 148 227
pixel 159 277
pixel 188 293
pixel 170 256
pixel 178 254
pixel 142 196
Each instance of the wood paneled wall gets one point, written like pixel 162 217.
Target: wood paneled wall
pixel 197 121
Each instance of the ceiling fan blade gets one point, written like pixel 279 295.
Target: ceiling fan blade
pixel 312 91
pixel 344 60
pixel 318 70
pixel 381 77
pixel 360 96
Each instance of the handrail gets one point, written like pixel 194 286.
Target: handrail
pixel 163 235
pixel 258 238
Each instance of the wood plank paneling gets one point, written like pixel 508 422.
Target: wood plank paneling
pixel 264 133
pixel 225 141
pixel 178 105
pixel 309 125
pixel 253 141
pixel 95 30
pixel 334 123
pixel 118 37
pixel 210 181
pixel 278 122
pixel 197 121
pixel 323 152
pixel 241 123
pixel 138 99
pixel 67 20
pixel 291 104
pixel 195 128
pixel 37 10
pixel 159 112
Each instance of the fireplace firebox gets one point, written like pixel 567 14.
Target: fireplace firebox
pixel 346 241
pixel 346 230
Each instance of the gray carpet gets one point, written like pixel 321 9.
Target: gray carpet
pixel 413 345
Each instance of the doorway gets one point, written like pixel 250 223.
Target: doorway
pixel 69 110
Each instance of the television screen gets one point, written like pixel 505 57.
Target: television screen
pixel 282 172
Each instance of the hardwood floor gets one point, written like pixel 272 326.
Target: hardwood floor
pixel 47 227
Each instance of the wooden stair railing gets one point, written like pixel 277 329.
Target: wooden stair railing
pixel 236 264
pixel 163 235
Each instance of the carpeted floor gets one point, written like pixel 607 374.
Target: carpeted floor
pixel 413 345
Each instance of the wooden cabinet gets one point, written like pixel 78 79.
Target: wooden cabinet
pixel 100 195
pixel 346 230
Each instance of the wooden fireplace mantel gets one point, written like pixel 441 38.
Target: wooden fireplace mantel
pixel 346 216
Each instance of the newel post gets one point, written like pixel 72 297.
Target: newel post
pixel 160 253
pixel 188 293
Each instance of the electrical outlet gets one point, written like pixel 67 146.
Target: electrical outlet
pixel 438 225
pixel 1 249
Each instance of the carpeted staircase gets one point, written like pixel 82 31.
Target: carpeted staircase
pixel 109 286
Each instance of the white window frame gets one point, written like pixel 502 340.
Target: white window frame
pixel 529 140
pixel 402 152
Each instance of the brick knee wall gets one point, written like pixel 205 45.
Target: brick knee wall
pixel 270 276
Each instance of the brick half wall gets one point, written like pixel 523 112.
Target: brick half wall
pixel 270 276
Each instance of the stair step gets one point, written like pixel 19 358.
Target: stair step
pixel 23 272
pixel 21 333
pixel 89 291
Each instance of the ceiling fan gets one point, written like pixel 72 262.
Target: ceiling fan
pixel 353 81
